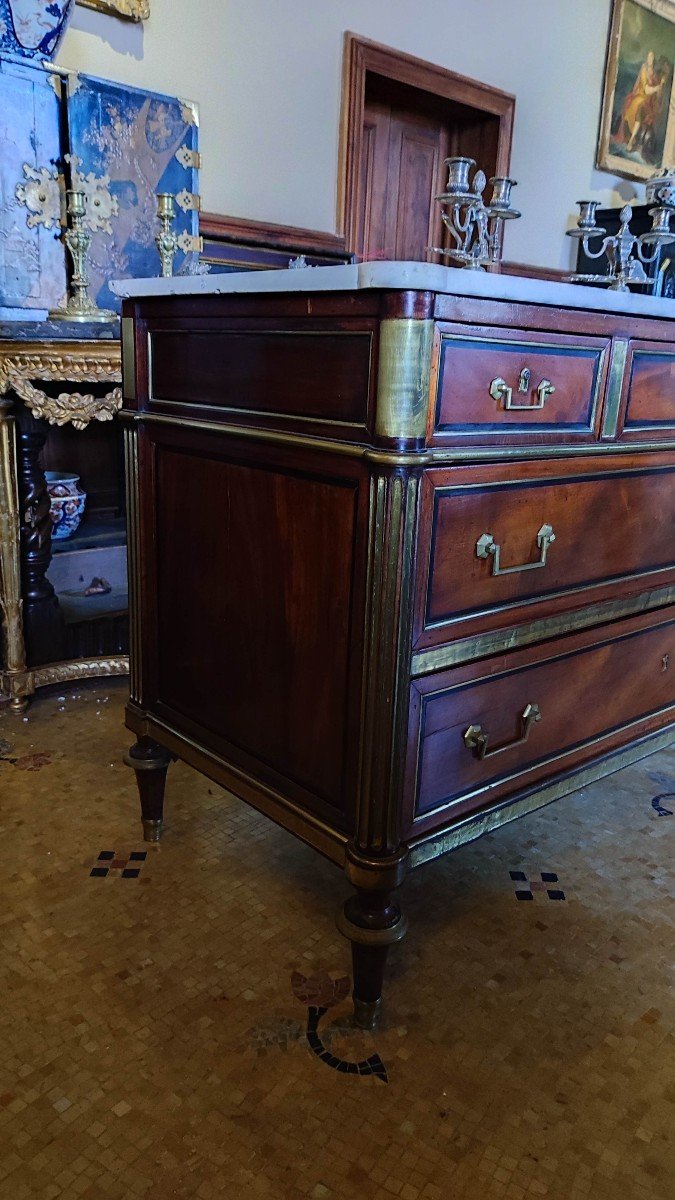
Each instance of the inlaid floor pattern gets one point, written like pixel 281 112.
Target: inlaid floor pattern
pixel 173 1025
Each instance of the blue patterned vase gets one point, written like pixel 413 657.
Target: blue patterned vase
pixel 33 28
pixel 67 503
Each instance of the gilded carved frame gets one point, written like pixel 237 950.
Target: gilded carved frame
pixel 131 10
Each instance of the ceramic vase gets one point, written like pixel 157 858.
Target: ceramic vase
pixel 33 28
pixel 67 503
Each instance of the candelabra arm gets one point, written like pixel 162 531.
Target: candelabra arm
pixel 454 234
pixel 494 236
pixel 644 255
pixel 604 245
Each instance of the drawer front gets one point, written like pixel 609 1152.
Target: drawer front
pixel 481 732
pixel 496 540
pixel 494 384
pixel 314 378
pixel 649 402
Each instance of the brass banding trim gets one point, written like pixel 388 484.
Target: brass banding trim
pixel 433 456
pixel 403 380
pixel 482 645
pixel 128 359
pixel 617 369
pixel 133 559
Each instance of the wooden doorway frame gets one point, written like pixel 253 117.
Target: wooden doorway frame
pixel 361 57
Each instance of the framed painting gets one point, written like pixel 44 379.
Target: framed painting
pixel 132 10
pixel 637 125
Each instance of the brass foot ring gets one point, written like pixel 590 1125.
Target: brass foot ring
pixel 147 764
pixel 367 1013
pixel 372 937
pixel 152 831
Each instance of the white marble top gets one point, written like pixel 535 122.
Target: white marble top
pixel 392 275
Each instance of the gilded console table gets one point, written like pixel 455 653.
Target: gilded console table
pixel 32 356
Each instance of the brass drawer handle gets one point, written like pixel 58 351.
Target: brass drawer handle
pixel 500 390
pixel 486 546
pixel 476 740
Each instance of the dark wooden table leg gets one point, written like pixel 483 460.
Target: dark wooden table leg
pixel 150 762
pixel 373 922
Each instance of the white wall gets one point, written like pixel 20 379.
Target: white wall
pixel 267 76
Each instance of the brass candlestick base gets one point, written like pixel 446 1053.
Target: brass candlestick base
pixel 80 306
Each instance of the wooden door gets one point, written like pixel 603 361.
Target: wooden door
pixel 401 174
pixel 401 117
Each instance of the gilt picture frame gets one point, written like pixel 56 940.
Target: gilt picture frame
pixel 130 10
pixel 637 123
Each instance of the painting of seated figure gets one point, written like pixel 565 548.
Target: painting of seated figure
pixel 637 133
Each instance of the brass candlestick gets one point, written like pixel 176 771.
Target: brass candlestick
pixel 166 239
pixel 80 306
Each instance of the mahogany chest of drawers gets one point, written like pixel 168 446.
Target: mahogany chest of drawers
pixel 401 559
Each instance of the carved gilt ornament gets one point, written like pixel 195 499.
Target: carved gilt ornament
pixel 18 370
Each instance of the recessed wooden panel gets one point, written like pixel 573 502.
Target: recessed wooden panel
pixel 606 525
pixel 305 374
pixel 468 365
pixel 418 151
pixel 651 395
pixel 254 571
pixel 582 696
pixel 401 172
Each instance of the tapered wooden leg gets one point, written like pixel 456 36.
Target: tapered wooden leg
pixel 150 762
pixel 372 921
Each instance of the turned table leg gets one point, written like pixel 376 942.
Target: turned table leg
pixel 150 762
pixel 372 921
pixel 43 621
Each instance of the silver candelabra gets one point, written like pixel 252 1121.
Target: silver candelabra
pixel 475 227
pixel 627 253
